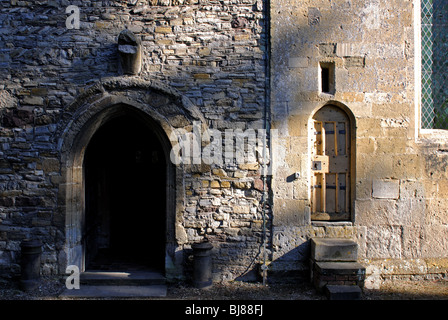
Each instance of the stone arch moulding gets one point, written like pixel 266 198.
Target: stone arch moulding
pixel 332 162
pixel 163 110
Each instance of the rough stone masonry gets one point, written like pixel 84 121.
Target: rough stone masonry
pixel 201 60
pixel 235 65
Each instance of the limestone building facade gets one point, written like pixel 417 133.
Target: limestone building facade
pixel 145 126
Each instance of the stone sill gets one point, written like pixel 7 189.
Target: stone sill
pixel 433 136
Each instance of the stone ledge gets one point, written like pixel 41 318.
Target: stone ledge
pixel 338 273
pixel 333 249
pixel 342 292
pixel 116 292
pixel 340 268
pixel 406 266
pixel 379 269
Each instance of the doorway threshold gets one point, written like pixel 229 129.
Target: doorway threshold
pixel 119 284
pixel 115 292
pixel 109 277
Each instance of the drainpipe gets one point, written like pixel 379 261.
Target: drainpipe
pixel 267 97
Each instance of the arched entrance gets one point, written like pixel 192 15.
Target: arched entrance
pixel 125 196
pixel 156 111
pixel 332 164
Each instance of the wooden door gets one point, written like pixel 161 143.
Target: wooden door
pixel 330 165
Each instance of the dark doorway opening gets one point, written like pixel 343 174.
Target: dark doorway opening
pixel 125 196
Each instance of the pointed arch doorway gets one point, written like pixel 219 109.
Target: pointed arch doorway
pixel 125 196
pixel 158 109
pixel 333 157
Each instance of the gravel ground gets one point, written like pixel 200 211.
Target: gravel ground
pixel 49 289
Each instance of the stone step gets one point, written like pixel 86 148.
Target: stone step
pixel 333 249
pixel 118 284
pixel 343 292
pixel 338 273
pixel 115 291
pixel 131 278
pixel 340 268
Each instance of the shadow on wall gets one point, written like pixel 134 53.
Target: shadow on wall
pixel 291 266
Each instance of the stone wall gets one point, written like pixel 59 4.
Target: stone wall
pixel 209 54
pixel 399 205
pixel 207 61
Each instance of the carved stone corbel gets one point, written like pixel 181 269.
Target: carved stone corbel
pixel 130 52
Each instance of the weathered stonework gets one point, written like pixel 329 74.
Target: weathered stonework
pixel 398 175
pixel 201 61
pixel 225 65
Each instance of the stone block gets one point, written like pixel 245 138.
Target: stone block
pixel 333 249
pixel 225 184
pixel 35 100
pixel 241 37
pixel 241 185
pixel 437 265
pixel 386 189
pixel 349 268
pixel 373 212
pixel 343 292
pixel 214 184
pixel 201 76
pixel 327 49
pixel 291 212
pixel 298 62
pixel 241 209
pixel 435 234
pixel 354 62
pixel 397 267
pixel 352 96
pixel 205 183
pixel 219 172
pixel 249 166
pixel 163 30
pixel 49 165
pixel 343 49
pixel 384 241
pixel 338 273
pixel 392 145
pixel 39 91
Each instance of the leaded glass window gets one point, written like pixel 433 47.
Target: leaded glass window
pixel 434 31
